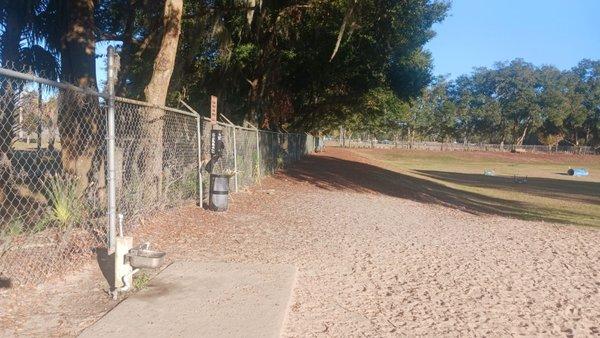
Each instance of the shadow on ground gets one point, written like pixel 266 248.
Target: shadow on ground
pixel 581 191
pixel 106 263
pixel 5 283
pixel 332 173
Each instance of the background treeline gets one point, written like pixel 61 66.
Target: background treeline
pixel 513 103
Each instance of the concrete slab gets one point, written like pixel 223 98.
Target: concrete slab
pixel 198 299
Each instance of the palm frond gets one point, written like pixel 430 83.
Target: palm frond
pixel 40 61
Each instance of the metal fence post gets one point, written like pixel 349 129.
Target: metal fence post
pixel 112 191
pixel 235 160
pixel 258 153
pixel 199 145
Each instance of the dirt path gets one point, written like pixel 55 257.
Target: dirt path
pixel 372 260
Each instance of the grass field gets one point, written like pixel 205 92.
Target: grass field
pixel 456 179
pixel 32 145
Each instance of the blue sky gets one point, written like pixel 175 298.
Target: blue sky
pixel 480 32
pixel 101 61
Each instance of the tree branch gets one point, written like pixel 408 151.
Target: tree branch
pixel 347 18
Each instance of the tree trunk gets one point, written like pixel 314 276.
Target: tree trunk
pixel 40 118
pixel 125 56
pixel 80 121
pixel 253 98
pixel 156 94
pixel 522 137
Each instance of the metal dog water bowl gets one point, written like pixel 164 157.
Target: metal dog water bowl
pixel 145 258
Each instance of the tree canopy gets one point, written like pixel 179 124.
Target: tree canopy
pixel 304 64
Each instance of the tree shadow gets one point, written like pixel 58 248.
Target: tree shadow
pixel 581 191
pixel 106 263
pixel 331 173
pixel 5 283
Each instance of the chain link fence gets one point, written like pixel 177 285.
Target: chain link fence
pixel 56 190
pixel 439 146
pixel 156 159
pixel 52 193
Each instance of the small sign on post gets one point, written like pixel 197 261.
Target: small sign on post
pixel 213 110
pixel 216 142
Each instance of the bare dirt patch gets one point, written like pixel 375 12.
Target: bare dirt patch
pixel 374 257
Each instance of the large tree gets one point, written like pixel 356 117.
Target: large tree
pixel 156 93
pixel 588 73
pixel 69 29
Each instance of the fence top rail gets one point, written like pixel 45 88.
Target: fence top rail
pixel 229 124
pixel 224 124
pixel 68 86
pixel 149 105
pixel 61 85
pixel 87 91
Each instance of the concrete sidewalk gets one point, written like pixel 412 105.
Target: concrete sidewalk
pixel 197 299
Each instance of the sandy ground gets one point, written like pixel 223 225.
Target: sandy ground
pixel 369 263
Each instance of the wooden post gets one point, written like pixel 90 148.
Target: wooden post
pixel 235 160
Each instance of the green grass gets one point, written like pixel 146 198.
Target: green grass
pixel 141 281
pixel 548 195
pixel 32 145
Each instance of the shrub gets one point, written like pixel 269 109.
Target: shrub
pixel 14 228
pixel 182 187
pixel 189 184
pixel 66 208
